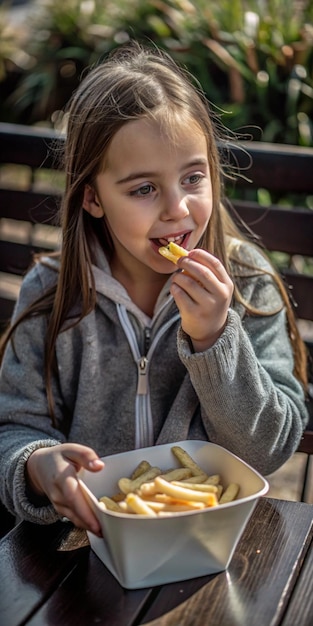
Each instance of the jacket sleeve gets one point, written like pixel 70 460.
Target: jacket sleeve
pixel 24 418
pixel 251 403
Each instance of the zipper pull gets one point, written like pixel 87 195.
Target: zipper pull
pixel 142 387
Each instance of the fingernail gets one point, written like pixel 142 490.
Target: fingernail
pixel 95 464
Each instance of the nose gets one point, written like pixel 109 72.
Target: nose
pixel 175 206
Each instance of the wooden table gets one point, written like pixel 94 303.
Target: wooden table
pixel 269 580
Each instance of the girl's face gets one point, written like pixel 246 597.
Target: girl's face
pixel 152 191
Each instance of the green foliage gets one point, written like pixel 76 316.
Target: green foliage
pixel 253 58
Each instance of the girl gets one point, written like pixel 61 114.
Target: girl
pixel 111 347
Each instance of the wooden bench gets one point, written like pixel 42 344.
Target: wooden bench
pixel 283 170
pixel 29 201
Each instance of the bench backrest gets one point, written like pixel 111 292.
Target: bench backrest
pixel 283 171
pixel 29 203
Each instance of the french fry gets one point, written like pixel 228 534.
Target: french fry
pixel 127 485
pixel 229 494
pixel 215 479
pixel 170 501
pixel 219 491
pixel 125 508
pixel 162 497
pixel 143 467
pixel 202 487
pixel 186 460
pixel 176 474
pixel 110 504
pixel 181 493
pixel 118 497
pixel 138 505
pixel 147 489
pixel 173 252
pixel 150 488
pixel 197 480
pixel 175 506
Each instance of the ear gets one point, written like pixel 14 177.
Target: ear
pixel 91 202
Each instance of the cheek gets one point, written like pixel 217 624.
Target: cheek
pixel 203 211
pixel 125 226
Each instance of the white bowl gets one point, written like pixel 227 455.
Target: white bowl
pixel 143 551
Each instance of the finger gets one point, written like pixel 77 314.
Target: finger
pixel 82 456
pixel 189 287
pixel 198 284
pixel 202 277
pixel 203 258
pixel 88 524
pixel 72 504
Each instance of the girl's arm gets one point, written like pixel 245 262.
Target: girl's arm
pixel 37 467
pixel 251 402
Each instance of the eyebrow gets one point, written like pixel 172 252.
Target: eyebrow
pixel 135 175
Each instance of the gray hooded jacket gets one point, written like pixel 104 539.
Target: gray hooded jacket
pixel 125 380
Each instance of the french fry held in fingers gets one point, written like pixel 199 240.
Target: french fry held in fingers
pixel 154 492
pixel 173 252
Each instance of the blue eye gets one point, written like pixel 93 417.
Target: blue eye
pixel 142 191
pixel 193 179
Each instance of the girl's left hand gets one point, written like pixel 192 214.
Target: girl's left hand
pixel 52 471
pixel 203 292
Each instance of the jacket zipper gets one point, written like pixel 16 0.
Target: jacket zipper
pixel 144 435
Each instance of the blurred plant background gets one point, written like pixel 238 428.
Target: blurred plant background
pixel 253 58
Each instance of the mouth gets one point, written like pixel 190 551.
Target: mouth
pixel 164 241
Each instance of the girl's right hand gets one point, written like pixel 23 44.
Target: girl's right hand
pixel 53 472
pixel 203 293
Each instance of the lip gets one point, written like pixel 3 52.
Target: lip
pixel 186 234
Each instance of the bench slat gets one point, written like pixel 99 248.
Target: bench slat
pixel 280 229
pixel 276 167
pixel 26 145
pixel 300 284
pixel 34 206
pixel 15 258
pixel 6 306
pixel 306 444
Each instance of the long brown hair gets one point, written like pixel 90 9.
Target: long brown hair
pixel 133 82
